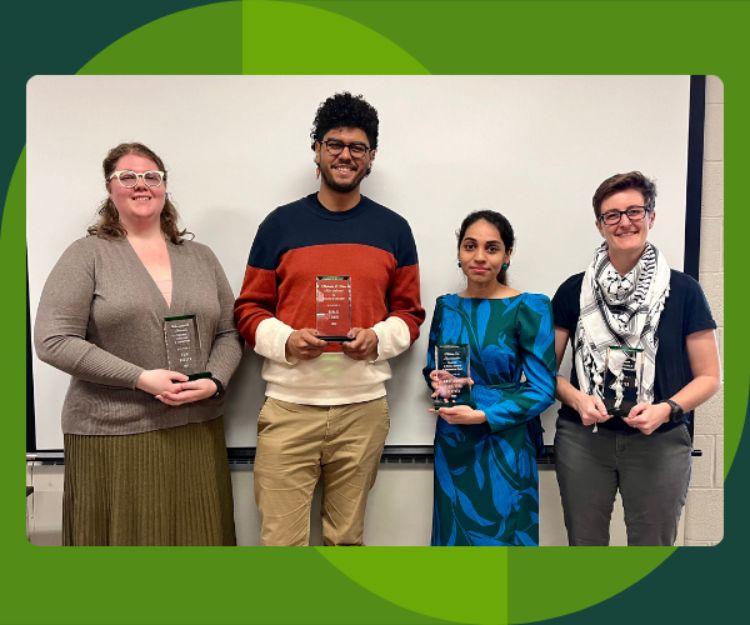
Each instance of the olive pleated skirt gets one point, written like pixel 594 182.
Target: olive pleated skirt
pixel 167 487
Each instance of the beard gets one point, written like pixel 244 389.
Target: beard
pixel 342 188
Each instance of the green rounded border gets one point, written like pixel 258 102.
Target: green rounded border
pixel 382 585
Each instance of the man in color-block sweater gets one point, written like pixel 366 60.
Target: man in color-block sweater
pixel 326 414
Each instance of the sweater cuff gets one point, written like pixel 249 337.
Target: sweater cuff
pixel 393 338
pixel 101 367
pixel 270 340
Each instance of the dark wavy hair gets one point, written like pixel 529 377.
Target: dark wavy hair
pixel 345 110
pixel 624 182
pixel 503 227
pixel 109 225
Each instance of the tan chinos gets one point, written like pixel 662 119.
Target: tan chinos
pixel 300 444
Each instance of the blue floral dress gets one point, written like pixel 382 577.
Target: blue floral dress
pixel 486 482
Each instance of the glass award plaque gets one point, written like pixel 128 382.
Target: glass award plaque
pixel 453 365
pixel 623 373
pixel 184 346
pixel 333 307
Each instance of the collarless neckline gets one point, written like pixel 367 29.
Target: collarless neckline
pixel 490 299
pixel 146 275
pixel 322 211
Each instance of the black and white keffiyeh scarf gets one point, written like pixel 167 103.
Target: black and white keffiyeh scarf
pixel 620 311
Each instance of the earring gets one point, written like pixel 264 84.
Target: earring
pixel 458 263
pixel 317 172
pixel 505 266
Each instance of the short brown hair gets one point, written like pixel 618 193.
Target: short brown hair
pixel 109 225
pixel 623 182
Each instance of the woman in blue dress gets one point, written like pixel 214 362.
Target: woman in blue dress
pixel 486 482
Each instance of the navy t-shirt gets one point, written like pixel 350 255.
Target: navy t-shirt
pixel 685 311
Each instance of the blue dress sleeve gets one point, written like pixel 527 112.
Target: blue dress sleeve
pixel 509 405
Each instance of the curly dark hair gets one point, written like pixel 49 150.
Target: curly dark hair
pixel 109 225
pixel 345 110
pixel 503 227
pixel 624 182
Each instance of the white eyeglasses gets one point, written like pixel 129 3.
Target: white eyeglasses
pixel 128 178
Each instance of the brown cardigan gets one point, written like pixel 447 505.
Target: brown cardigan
pixel 100 319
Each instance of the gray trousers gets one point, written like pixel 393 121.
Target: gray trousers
pixel 651 472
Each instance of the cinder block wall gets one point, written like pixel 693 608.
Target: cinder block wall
pixel 704 510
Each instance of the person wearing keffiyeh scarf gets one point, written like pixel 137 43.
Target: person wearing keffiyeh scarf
pixel 629 306
pixel 620 310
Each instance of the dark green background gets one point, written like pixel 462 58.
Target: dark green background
pixel 255 585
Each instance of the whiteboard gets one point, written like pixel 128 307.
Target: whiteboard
pixel 532 147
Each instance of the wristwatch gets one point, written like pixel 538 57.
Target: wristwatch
pixel 676 411
pixel 219 389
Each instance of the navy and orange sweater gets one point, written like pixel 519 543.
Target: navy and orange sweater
pixel 302 240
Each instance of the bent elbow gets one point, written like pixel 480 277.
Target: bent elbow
pixel 549 400
pixel 715 385
pixel 545 398
pixel 550 392
pixel 48 347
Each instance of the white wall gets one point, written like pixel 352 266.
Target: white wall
pixel 533 147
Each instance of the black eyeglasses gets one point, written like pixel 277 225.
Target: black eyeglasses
pixel 336 147
pixel 634 213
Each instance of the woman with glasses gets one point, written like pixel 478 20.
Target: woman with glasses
pixel 645 356
pixel 491 365
pixel 127 311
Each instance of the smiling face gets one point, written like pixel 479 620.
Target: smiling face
pixel 482 253
pixel 625 237
pixel 141 203
pixel 343 173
